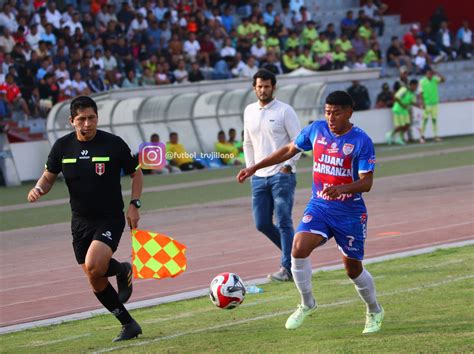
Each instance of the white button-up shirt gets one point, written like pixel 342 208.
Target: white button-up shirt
pixel 266 129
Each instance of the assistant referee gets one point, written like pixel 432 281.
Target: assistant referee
pixel 91 161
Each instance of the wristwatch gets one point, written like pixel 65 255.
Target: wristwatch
pixel 136 202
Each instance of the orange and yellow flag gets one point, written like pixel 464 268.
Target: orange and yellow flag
pixel 156 256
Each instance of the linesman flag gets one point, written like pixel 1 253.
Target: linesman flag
pixel 156 256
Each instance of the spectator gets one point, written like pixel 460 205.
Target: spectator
pixel 7 42
pixel 53 16
pixel 348 24
pixel 309 34
pixel 8 18
pixel 359 63
pixel 227 19
pixel 4 110
pixel 33 37
pixel 96 83
pixel 191 47
pixel 258 50
pixel 306 59
pixel 339 58
pixel 287 17
pixel 464 37
pixel 250 68
pixel 409 39
pixel 180 157
pixel 365 31
pixel 419 45
pixel 373 57
pixel 269 15
pixel 421 62
pixel 360 95
pixel 272 64
pixel 372 12
pixel 429 38
pixel 290 62
pixel 302 17
pixel 48 91
pixel 396 55
pixel 385 97
pixel 437 18
pixel 195 74
pixel 222 69
pixel 359 45
pixel 180 72
pixel 13 96
pixel 74 24
pixel 79 87
pixel 228 152
pixel 445 41
pixel 228 50
pixel 330 33
pixel 237 143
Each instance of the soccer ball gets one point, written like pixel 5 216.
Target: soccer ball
pixel 227 291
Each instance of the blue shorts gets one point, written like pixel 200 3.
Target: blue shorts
pixel 349 230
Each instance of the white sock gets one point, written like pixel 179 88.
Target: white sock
pixel 365 286
pixel 302 273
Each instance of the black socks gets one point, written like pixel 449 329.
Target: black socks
pixel 109 298
pixel 115 267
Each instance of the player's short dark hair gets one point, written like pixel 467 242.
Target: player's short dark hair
pixel 173 134
pixel 82 102
pixel 414 82
pixel 264 75
pixel 340 98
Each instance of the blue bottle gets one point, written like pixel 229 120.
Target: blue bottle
pixel 253 289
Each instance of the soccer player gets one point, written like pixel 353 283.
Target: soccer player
pixel 344 162
pixel 430 97
pixel 91 161
pixel 405 97
pixel 268 125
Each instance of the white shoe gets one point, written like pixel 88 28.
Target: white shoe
pixel 297 318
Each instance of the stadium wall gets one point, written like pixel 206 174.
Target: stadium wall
pixel 455 118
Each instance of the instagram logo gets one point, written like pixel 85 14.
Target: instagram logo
pixel 151 156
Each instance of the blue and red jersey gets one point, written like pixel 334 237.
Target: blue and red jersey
pixel 337 160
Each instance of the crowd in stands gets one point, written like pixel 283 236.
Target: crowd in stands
pixel 50 54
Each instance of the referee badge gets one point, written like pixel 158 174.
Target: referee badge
pixel 100 168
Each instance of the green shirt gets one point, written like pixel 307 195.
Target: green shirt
pixel 341 56
pixel 321 47
pixel 370 57
pixel 365 33
pixel 429 90
pixel 290 63
pixel 292 42
pixel 309 35
pixel 272 42
pixel 243 30
pixel 345 45
pixel 406 97
pixel 307 62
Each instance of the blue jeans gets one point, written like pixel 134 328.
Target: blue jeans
pixel 275 194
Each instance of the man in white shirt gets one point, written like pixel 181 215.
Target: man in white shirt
pixel 8 18
pixel 53 15
pixel 74 24
pixel 33 37
pixel 191 47
pixel 268 125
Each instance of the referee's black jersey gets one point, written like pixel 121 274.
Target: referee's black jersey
pixel 92 171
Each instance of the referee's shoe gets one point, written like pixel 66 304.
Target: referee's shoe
pixel 129 331
pixel 124 283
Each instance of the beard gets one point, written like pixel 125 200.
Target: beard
pixel 266 98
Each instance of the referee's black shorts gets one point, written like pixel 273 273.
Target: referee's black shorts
pixel 106 228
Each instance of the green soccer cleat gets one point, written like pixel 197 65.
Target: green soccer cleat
pixel 297 318
pixel 373 322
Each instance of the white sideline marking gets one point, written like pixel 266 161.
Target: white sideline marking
pixel 201 292
pixel 40 344
pixel 275 314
